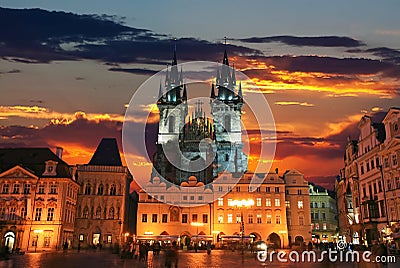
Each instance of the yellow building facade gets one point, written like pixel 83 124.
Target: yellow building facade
pixel 37 200
pixel 254 208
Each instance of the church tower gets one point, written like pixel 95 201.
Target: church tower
pixel 226 109
pixel 172 104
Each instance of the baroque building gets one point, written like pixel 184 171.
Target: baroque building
pixel 271 211
pixel 369 184
pixel 105 207
pixel 37 199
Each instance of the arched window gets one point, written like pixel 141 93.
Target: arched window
pixel 100 189
pixel 85 214
pixel 227 123
pixel 98 212
pixel 171 124
pixel 87 189
pixel 113 189
pixel 111 213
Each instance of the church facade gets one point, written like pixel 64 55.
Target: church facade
pixel 276 210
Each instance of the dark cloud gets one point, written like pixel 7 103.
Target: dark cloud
pixel 42 36
pixel 134 71
pixel 328 182
pixel 13 71
pixel 317 41
pixel 387 54
pixel 347 66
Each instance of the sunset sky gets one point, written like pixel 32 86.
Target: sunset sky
pixel 67 70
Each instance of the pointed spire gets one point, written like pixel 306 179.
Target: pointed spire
pixel 212 92
pixel 225 61
pixel 184 94
pixel 240 90
pixel 174 61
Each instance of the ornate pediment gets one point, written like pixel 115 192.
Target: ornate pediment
pixel 18 172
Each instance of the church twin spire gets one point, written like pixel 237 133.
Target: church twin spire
pixel 225 83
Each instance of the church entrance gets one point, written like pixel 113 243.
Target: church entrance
pixel 9 240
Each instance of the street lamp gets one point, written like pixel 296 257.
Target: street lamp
pixel 242 204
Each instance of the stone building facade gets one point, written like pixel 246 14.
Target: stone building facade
pixel 105 207
pixel 37 199
pixel 273 212
pixel 369 185
pixel 324 214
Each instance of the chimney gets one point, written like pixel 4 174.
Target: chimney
pixel 59 151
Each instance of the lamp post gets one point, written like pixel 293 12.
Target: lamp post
pixel 242 204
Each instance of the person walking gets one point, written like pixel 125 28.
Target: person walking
pixel 171 256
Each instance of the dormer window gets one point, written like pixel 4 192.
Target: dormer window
pixel 50 168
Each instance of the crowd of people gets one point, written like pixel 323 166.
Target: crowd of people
pixel 140 250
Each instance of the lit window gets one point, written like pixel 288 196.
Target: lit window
pixel 229 202
pixel 300 204
pixel 269 218
pixel 220 218
pixel 41 189
pixel 324 226
pixel 287 203
pixel 50 214
pixel 220 202
pixel 229 218
pixel 259 219
pixel 27 188
pixel 38 214
pixel 16 189
pixel 53 189
pixel 317 226
pixel 258 202
pixel 277 202
pixel 268 202
pixel 238 218
pixel 13 212
pixel 5 188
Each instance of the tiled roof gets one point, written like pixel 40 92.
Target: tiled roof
pixel 32 159
pixel 106 154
